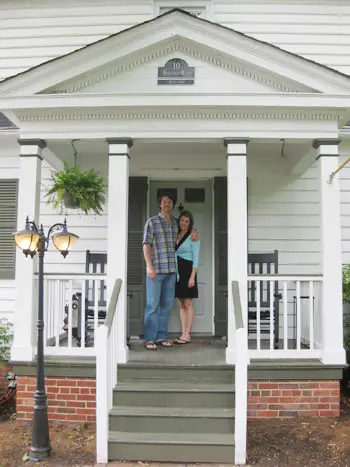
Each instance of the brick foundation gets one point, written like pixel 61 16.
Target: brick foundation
pixel 278 399
pixel 74 399
pixel 69 399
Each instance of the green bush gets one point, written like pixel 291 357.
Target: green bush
pixel 6 336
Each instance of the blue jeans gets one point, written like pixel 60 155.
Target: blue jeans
pixel 160 294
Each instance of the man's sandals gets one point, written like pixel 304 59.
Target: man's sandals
pixel 153 346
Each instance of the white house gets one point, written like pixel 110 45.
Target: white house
pixel 241 109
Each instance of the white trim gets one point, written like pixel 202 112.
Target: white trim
pixel 285 103
pixel 285 354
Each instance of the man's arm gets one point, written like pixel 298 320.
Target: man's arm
pixel 147 253
pixel 194 235
pixel 148 237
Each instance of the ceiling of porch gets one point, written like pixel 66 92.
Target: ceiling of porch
pixel 198 158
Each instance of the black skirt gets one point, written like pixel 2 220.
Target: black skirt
pixel 185 270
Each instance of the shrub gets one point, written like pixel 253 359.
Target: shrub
pixel 6 335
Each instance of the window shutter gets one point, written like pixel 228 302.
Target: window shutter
pixel 138 187
pixel 220 196
pixel 8 223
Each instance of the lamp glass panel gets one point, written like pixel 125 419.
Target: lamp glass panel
pixel 64 242
pixel 27 241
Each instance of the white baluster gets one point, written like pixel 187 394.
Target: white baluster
pixel 298 315
pixel 285 316
pixel 311 313
pixel 258 306
pixel 70 313
pixel 271 313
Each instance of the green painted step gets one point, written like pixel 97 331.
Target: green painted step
pixel 174 395
pixel 170 447
pixel 172 419
pixel 155 372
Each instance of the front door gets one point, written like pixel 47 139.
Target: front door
pixel 196 197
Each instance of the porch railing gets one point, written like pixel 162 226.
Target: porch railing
pixel 106 374
pixel 241 379
pixel 74 306
pixel 284 316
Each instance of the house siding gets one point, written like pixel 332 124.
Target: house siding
pixel 344 180
pixel 32 32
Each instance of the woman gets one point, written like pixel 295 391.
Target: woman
pixel 187 254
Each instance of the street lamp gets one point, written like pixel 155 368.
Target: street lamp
pixel 32 240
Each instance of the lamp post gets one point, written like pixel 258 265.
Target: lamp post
pixel 32 240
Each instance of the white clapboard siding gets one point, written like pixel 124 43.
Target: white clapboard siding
pixel 34 32
pixel 316 30
pixel 344 180
pixel 7 299
pixel 286 218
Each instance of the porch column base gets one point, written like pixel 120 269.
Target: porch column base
pixel 334 357
pixel 22 354
pixel 122 354
pixel 230 356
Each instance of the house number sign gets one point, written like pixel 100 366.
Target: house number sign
pixel 175 72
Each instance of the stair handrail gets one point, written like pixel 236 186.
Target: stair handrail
pixel 241 378
pixel 105 374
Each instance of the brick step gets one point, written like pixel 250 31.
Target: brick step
pixel 172 420
pixel 171 447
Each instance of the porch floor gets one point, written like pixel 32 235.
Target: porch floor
pixel 197 353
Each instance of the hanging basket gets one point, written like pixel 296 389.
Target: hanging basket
pixel 70 201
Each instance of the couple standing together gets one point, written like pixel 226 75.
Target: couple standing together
pixel 171 252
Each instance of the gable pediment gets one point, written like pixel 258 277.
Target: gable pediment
pixel 213 73
pixel 106 66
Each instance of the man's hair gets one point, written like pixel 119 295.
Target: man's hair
pixel 167 195
pixel 190 217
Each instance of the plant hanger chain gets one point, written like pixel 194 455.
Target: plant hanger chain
pixel 75 151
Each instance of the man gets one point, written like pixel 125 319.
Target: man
pixel 159 252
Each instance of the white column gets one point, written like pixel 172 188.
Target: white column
pixel 25 315
pixel 237 234
pixel 332 309
pixel 117 250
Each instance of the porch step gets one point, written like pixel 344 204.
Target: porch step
pixel 172 420
pixel 177 394
pixel 173 413
pixel 170 447
pixel 153 373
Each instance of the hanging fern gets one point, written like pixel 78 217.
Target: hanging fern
pixel 86 186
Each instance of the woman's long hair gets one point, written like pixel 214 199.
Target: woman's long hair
pixel 189 216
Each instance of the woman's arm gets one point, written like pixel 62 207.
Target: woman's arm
pixel 195 259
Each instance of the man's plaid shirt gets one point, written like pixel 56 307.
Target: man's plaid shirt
pixel 161 236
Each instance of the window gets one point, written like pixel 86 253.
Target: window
pixel 195 11
pixel 8 221
pixel 200 8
